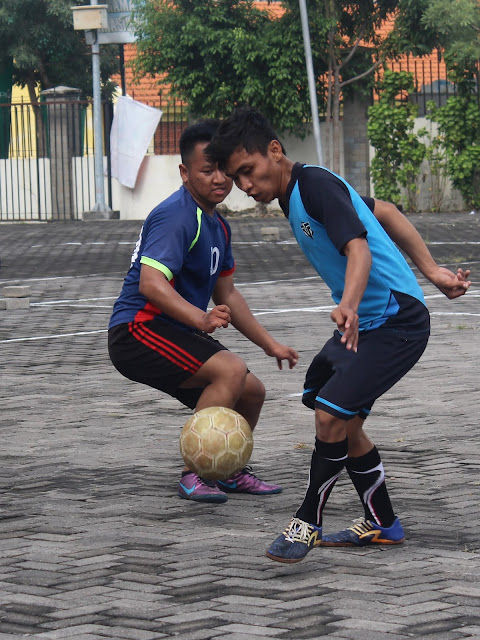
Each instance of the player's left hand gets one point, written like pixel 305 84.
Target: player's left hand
pixel 282 352
pixel 451 284
pixel 346 319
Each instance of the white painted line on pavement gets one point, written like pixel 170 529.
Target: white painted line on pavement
pixel 454 242
pixel 249 284
pixel 256 312
pixel 453 313
pixel 66 301
pixel 55 335
pixel 441 295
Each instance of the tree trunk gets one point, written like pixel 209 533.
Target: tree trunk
pixel 336 121
pixel 327 159
pixel 330 91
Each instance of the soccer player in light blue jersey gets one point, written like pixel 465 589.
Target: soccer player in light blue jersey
pixel 382 321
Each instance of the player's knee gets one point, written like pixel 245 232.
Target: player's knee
pixel 329 428
pixel 255 389
pixel 232 370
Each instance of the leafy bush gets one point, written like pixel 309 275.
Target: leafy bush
pixel 459 122
pixel 398 150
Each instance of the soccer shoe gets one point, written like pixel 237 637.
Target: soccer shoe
pixel 245 481
pixel 192 487
pixel 295 542
pixel 365 532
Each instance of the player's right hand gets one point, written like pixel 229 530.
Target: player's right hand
pixel 346 320
pixel 219 316
pixel 452 284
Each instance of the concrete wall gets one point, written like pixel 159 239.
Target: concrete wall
pixel 159 177
pixel 356 146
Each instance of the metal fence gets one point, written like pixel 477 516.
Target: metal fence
pixel 431 80
pixel 47 157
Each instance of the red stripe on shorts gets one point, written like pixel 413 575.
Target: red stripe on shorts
pixel 166 348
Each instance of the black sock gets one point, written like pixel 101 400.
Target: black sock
pixel 368 477
pixel 328 460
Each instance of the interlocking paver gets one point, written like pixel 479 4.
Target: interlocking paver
pixel 94 542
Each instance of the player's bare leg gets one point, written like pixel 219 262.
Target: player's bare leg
pixel 358 442
pixel 249 406
pixel 223 377
pixel 251 401
pixel 227 383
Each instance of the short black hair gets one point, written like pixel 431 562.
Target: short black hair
pixel 246 128
pixel 201 131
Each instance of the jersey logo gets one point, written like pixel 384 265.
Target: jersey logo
pixel 214 260
pixel 307 229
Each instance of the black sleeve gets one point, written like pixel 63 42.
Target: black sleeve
pixel 370 202
pixel 327 200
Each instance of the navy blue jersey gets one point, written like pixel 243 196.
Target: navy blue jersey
pixel 190 247
pixel 325 213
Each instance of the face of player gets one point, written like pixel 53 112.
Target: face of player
pixel 206 183
pixel 261 177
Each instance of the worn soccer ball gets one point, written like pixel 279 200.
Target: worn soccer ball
pixel 216 442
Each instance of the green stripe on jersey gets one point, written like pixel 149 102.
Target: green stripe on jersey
pixel 157 265
pixel 199 221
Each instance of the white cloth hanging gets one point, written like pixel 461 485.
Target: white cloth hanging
pixel 133 126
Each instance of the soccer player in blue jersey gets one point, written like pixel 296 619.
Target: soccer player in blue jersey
pixel 159 331
pixel 382 321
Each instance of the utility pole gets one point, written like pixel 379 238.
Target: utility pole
pixel 311 80
pixel 91 18
pixel 100 207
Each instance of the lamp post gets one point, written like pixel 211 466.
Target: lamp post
pixel 92 18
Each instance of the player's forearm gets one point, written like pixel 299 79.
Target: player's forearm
pixel 178 308
pixel 359 262
pixel 404 234
pixel 163 296
pixel 244 321
pixel 411 242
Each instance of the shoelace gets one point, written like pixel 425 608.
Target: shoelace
pixel 298 531
pixel 245 471
pixel 248 469
pixel 361 526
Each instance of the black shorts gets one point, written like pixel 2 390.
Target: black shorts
pixel 346 384
pixel 161 355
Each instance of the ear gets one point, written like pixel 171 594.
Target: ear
pixel 275 149
pixel 183 173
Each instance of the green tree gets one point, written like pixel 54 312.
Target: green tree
pixel 412 34
pixel 350 48
pixel 458 26
pixel 218 55
pixel 47 52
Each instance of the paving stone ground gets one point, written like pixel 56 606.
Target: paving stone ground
pixel 95 543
